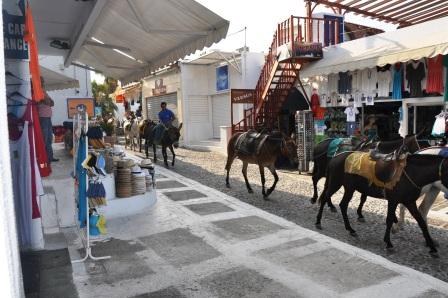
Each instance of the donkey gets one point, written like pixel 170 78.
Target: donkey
pixel 321 162
pixel 419 171
pixel 130 128
pixel 169 139
pixel 274 145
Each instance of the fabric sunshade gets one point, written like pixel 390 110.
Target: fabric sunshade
pixel 157 33
pixel 414 42
pixel 57 81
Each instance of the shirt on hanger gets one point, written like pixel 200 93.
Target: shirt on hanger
pixel 345 83
pixel 369 79
pixel 384 82
pixel 351 113
pixel 434 83
pixel 414 76
pixel 397 83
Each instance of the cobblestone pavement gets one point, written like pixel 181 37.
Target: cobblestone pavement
pixel 290 200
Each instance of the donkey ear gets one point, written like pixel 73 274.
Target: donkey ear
pixel 180 126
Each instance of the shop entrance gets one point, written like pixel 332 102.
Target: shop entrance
pixel 295 101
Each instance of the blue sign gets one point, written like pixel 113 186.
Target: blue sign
pixel 222 78
pixel 98 111
pixel 14 29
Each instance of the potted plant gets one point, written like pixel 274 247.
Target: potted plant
pixel 108 128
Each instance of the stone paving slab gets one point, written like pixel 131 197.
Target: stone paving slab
pixel 209 208
pixel 184 195
pixel 169 184
pixel 174 252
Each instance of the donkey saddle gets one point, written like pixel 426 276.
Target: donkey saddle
pixel 250 142
pixel 386 165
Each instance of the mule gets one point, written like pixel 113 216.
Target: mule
pixel 169 139
pixel 420 170
pixel 274 145
pixel 321 162
pixel 130 128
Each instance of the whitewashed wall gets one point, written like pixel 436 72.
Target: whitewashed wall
pixel 56 63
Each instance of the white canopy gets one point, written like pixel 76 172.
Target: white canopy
pixel 123 39
pixel 415 42
pixel 156 33
pixel 57 81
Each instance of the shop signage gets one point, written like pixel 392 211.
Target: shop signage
pixel 312 49
pixel 159 88
pixel 14 29
pixel 73 103
pixel 222 78
pixel 242 95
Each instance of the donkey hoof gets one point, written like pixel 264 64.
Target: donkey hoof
pixel 266 197
pixel 353 234
pixel 333 209
pixel 434 254
pixel 250 191
pixel 318 226
pixel 227 185
pixel 361 219
pixel 313 200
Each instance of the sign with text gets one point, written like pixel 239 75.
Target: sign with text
pixel 242 95
pixel 73 103
pixel 159 88
pixel 13 29
pixel 313 49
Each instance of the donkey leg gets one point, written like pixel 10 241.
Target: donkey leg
pixel 263 180
pixel 348 194
pixel 428 201
pixel 154 149
pixel 361 204
pixel 331 206
pixel 244 170
pixel 274 173
pixel 391 207
pixel 139 144
pixel 230 159
pixel 412 207
pixel 146 148
pixel 165 156
pixel 328 191
pixel 174 155
pixel 316 178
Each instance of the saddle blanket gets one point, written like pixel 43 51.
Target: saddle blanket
pixel 250 142
pixel 339 145
pixel 360 163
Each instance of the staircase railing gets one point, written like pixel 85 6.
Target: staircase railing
pixel 291 32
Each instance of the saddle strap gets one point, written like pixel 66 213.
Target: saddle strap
pixel 260 145
pixel 239 140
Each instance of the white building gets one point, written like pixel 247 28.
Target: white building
pixel 191 92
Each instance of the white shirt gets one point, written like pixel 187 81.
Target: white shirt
pixel 356 81
pixel 351 113
pixel 369 77
pixel 384 83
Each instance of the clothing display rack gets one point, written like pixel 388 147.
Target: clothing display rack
pixel 80 126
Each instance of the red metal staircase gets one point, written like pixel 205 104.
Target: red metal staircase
pixel 282 66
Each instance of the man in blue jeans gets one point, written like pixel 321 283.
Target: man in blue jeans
pixel 45 112
pixel 166 117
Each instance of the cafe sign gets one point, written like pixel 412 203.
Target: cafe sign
pixel 13 29
pixel 159 88
pixel 242 95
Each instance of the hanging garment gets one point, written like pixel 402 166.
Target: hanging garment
pixel 356 81
pixel 81 180
pixel 434 84
pixel 414 75
pixel 369 78
pixel 384 80
pixel 397 84
pixel 438 129
pixel 345 83
pixel 39 144
pixel 351 113
pixel 445 63
pixel 318 111
pixel 22 188
pixel 31 39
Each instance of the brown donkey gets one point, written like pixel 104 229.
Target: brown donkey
pixel 262 149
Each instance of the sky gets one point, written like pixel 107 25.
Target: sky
pixel 261 17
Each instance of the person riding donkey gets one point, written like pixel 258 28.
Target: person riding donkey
pixel 166 117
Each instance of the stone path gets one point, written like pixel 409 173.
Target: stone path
pixel 199 242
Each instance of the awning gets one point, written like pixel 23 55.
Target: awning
pixel 212 57
pixel 129 39
pixel 414 42
pixel 57 81
pixel 156 33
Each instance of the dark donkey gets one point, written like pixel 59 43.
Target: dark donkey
pixel 321 161
pixel 169 139
pixel 420 170
pixel 274 145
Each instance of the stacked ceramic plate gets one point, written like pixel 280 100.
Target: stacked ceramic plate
pixel 138 184
pixel 148 180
